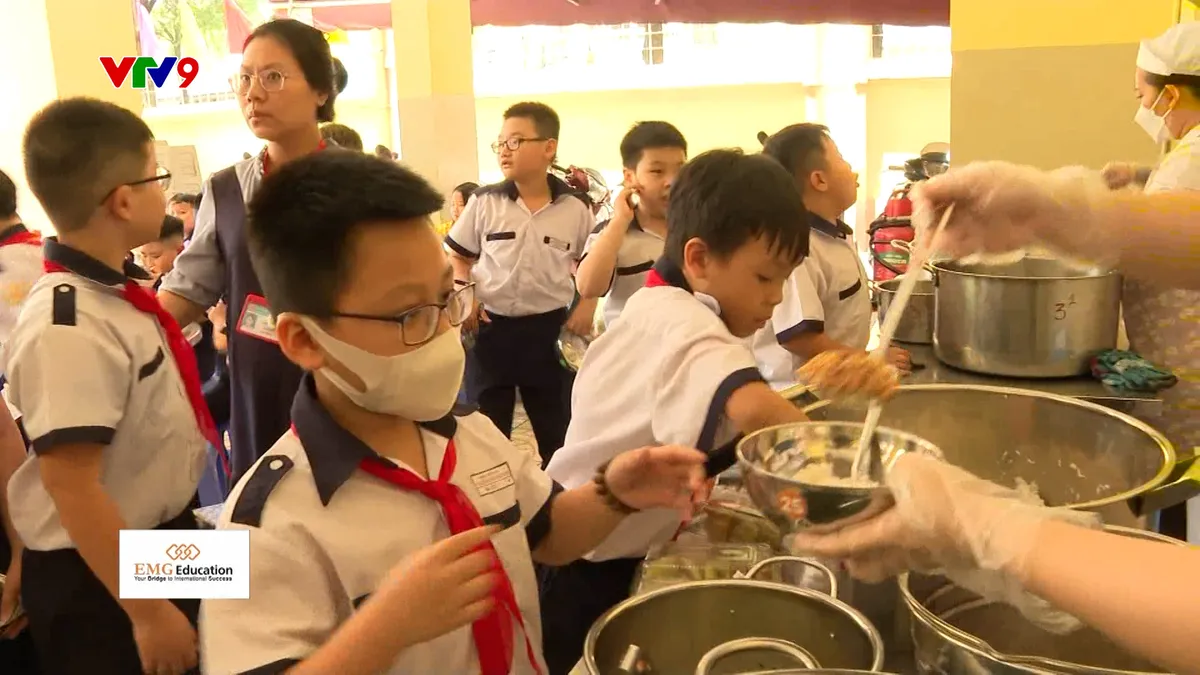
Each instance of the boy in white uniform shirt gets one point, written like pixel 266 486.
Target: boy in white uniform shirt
pixel 826 303
pixel 110 398
pixel 676 368
pixel 378 465
pixel 620 252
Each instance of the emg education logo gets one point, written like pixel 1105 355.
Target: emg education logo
pixel 141 67
pixel 183 552
pixel 175 571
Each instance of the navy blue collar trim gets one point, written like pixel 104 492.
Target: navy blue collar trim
pixel 86 266
pixel 508 188
pixel 672 274
pixel 333 452
pixel 838 229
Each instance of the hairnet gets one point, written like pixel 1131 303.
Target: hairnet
pixel 1175 52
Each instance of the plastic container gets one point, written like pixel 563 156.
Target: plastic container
pixel 732 522
pixel 678 563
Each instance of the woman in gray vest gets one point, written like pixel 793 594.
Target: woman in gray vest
pixel 286 87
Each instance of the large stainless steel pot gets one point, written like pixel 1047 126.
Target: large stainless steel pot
pixel 916 326
pixel 1037 317
pixel 954 631
pixel 728 627
pixel 1077 454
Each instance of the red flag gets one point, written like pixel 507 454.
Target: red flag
pixel 237 27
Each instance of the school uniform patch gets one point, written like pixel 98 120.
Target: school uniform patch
pixel 492 480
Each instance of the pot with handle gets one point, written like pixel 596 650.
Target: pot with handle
pixel 1075 454
pixel 954 631
pixel 916 327
pixel 1033 318
pixel 733 626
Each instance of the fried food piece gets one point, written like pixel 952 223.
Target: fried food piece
pixel 842 374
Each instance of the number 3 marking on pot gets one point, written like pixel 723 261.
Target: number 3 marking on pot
pixel 1060 308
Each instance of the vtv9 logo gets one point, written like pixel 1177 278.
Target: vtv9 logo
pixel 143 67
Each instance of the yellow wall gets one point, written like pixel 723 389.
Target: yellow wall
pixel 1049 83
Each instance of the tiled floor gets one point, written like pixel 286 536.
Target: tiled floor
pixel 522 434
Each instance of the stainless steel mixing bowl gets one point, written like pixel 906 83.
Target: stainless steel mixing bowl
pixel 774 463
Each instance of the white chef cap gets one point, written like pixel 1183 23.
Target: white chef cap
pixel 1175 52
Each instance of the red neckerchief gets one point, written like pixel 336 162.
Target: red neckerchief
pixel 185 358
pixel 654 279
pixel 266 159
pixel 493 633
pixel 22 236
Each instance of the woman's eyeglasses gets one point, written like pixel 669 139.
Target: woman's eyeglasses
pixel 271 81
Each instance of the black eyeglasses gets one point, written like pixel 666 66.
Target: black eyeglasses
pixel 419 324
pixel 514 144
pixel 162 176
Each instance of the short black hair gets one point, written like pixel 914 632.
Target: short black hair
pixel 8 196
pixel 77 150
pixel 172 227
pixel 342 135
pixel 645 135
pixel 544 119
pixel 466 190
pixel 185 198
pixel 1189 82
pixel 304 216
pixel 311 51
pixel 726 198
pixel 800 148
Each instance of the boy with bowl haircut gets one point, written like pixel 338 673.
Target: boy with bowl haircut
pixel 110 400
pixel 620 251
pixel 676 367
pixel 826 303
pixel 368 306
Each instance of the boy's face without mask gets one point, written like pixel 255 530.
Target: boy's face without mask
pixel 747 284
pixel 652 177
pixel 533 154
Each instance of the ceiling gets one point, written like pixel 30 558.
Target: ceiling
pixel 356 14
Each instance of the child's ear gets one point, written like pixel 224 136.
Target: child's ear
pixel 297 344
pixel 818 181
pixel 696 258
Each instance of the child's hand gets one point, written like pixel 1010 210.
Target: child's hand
pixel 166 640
pixel 900 359
pixel 10 601
pixel 668 476
pixel 441 587
pixel 843 374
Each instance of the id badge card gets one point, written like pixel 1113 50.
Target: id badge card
pixel 256 320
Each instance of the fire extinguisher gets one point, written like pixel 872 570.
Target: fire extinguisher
pixel 895 223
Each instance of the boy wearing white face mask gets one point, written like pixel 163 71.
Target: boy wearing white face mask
pixel 379 466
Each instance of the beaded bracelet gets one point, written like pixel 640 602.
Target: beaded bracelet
pixel 611 500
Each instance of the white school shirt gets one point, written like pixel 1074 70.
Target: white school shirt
pixel 524 262
pixel 1163 324
pixel 20 268
pixel 636 257
pixel 324 534
pixel 827 293
pixel 84 366
pixel 662 374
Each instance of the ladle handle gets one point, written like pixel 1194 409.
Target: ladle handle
pixel 710 659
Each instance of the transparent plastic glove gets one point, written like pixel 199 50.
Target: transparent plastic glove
pixel 1002 209
pixel 1118 175
pixel 947 521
